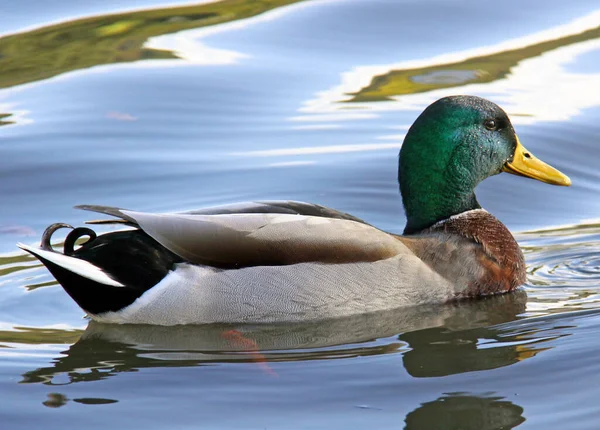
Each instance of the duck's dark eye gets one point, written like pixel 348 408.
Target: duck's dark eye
pixel 490 124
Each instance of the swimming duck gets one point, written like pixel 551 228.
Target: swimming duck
pixel 293 261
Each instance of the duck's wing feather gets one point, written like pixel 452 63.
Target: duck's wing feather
pixel 241 240
pixel 121 218
pixel 265 207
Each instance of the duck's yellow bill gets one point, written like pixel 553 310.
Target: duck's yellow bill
pixel 524 163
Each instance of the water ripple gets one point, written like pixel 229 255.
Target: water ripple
pixel 563 266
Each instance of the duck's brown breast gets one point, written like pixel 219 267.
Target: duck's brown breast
pixel 474 249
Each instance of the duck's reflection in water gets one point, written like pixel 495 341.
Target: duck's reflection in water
pixel 463 344
pixel 433 341
pixel 466 412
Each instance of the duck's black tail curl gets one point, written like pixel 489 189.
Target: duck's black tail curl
pixel 75 235
pixel 70 240
pixel 130 257
pixel 47 236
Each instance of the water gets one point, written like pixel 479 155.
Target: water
pixel 174 109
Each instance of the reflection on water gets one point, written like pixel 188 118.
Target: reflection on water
pixel 438 352
pixel 116 38
pixel 5 119
pixel 464 411
pixel 511 73
pixel 38 336
pixel 475 70
pixel 435 341
pixel 57 400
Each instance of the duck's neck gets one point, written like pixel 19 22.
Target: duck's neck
pixel 425 208
pixel 433 189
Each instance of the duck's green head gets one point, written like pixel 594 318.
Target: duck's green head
pixel 453 145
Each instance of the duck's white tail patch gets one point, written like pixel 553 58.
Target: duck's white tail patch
pixel 72 264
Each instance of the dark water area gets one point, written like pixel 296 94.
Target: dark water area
pixel 165 106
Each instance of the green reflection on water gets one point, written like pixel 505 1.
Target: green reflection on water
pixel 21 258
pixel 117 38
pixel 38 336
pixel 482 69
pixel 4 119
pixel 17 263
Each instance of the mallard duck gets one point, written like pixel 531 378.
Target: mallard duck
pixel 293 261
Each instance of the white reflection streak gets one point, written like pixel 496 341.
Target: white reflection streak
pixel 524 91
pixel 18 116
pixel 293 163
pixel 399 137
pixel 333 149
pixel 316 127
pixel 527 90
pixel 193 50
pixel 187 44
pixel 332 117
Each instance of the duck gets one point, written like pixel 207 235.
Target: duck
pixel 290 261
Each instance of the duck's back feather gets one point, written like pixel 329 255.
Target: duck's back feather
pixel 266 207
pixel 241 240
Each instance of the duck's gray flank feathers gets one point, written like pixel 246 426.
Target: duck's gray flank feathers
pixel 193 294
